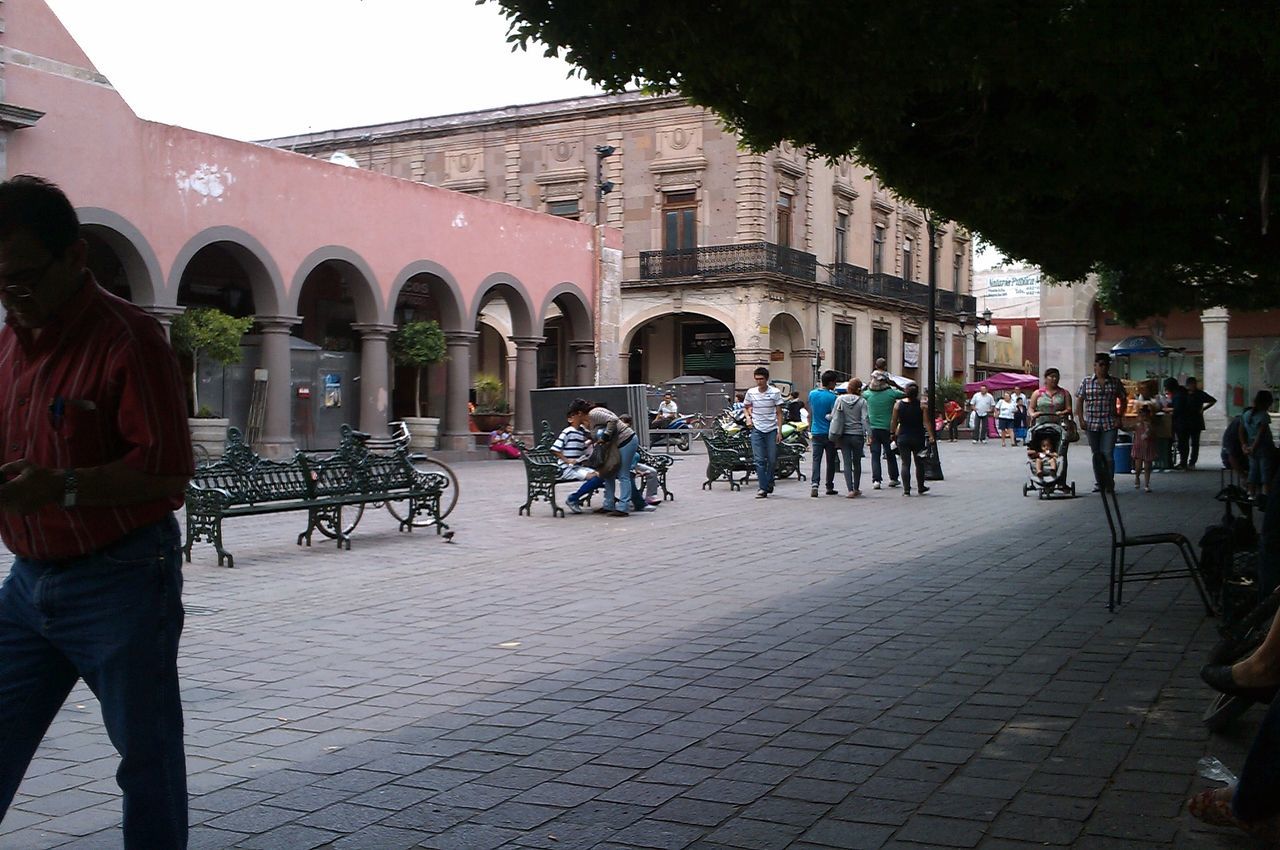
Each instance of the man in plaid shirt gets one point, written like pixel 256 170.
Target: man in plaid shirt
pixel 1099 403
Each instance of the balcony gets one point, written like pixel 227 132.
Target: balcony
pixel 857 279
pixel 715 260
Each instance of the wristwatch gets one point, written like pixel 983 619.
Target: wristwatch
pixel 70 488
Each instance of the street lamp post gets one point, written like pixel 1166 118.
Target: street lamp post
pixel 962 319
pixel 930 231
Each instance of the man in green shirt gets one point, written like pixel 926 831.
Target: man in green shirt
pixel 879 412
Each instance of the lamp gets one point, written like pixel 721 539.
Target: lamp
pixel 603 187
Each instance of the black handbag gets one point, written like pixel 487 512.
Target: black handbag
pixel 930 462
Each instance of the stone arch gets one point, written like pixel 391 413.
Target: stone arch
pixel 357 274
pixel 265 280
pixel 137 260
pixel 642 318
pixel 443 288
pixel 696 341
pixel 573 304
pixel 566 356
pixel 512 291
pixel 791 368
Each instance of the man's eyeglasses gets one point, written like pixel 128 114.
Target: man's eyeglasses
pixel 17 285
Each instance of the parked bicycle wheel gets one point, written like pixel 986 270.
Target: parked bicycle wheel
pixel 448 498
pixel 349 518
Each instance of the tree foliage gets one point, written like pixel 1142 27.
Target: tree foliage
pixel 208 333
pixel 419 344
pixel 1076 134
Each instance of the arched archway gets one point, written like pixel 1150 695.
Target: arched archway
pixel 426 291
pixel 120 257
pixel 669 345
pixel 566 357
pixel 336 298
pixel 506 303
pixel 786 339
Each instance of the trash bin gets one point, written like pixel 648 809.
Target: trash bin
pixel 1122 456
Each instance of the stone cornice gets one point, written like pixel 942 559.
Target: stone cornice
pixel 507 116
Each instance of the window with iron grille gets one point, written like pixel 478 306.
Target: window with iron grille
pixel 843 362
pixel 880 344
pixel 564 209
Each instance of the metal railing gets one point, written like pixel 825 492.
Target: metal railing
pixel 746 258
pixel 767 257
pixel 857 279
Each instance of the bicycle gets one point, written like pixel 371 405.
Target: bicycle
pixel 398 441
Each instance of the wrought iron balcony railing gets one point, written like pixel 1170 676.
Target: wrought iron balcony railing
pixel 858 279
pixel 712 260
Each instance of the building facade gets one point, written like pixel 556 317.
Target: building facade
pixel 328 260
pixel 731 259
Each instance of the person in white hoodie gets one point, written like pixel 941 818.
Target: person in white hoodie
pixel 848 431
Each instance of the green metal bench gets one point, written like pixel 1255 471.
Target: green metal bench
pixel 243 484
pixel 543 474
pixel 730 454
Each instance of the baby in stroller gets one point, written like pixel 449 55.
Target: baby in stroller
pixel 1044 455
pixel 1047 459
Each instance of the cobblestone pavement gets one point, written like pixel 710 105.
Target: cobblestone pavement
pixel 939 671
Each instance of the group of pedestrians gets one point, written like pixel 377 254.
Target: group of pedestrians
pixel 893 422
pixel 1009 410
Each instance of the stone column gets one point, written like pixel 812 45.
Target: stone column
pixel 1065 345
pixel 277 429
pixel 745 362
pixel 375 376
pixel 1214 379
pixel 584 363
pixel 164 315
pixel 526 380
pixel 457 435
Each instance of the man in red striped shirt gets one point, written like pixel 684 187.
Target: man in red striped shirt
pixel 96 456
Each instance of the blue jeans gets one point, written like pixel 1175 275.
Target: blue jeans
pixel 851 454
pixel 823 447
pixel 617 487
pixel 113 618
pixel 764 451
pixel 880 438
pixel 1104 443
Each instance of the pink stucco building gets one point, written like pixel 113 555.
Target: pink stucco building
pixel 325 258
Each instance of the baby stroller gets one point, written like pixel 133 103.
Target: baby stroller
pixel 1051 482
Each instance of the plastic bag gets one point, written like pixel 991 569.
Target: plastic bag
pixel 1215 771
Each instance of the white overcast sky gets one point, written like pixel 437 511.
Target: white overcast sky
pixel 256 69
pixel 252 69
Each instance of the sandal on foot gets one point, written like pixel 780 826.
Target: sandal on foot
pixel 1208 806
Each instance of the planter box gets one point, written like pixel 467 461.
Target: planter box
pixel 424 432
pixel 486 422
pixel 209 434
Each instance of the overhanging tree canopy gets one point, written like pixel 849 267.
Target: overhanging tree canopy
pixel 1133 139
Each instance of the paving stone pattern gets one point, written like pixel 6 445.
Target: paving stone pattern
pixel 939 671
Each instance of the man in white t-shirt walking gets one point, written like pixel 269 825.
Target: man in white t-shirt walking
pixel 982 404
pixel 763 405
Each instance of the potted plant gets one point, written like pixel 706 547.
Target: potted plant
pixel 206 333
pixel 492 410
pixel 419 345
